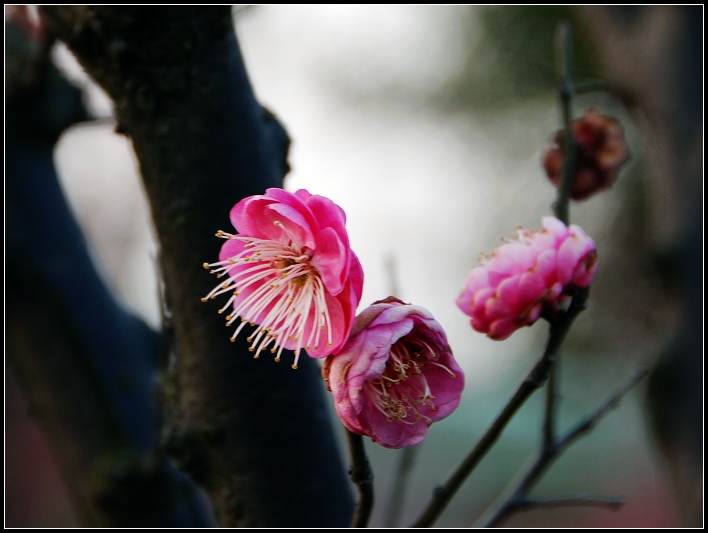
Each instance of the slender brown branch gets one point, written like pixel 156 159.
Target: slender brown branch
pixel 549 421
pixel 585 425
pixel 564 68
pixel 515 496
pixel 363 478
pixel 535 378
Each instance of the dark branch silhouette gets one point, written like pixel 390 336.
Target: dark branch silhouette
pixel 254 434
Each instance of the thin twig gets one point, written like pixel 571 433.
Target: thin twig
pixel 518 489
pixel 611 402
pixel 564 44
pixel 564 69
pixel 363 477
pixel 549 419
pixel 535 378
pixel 582 500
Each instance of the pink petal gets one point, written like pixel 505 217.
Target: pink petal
pixel 555 227
pixel 501 329
pixel 508 292
pixel 511 258
pixel 338 326
pixel 547 266
pixel 231 248
pixel 248 217
pixel 329 215
pixel 331 260
pixel 531 287
pixel 479 305
pixel 573 249
pixel 585 270
pixel 497 308
pixel 296 226
pixel 351 294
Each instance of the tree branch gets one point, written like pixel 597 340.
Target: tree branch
pixel 515 496
pixel 536 377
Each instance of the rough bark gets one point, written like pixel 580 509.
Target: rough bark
pixel 87 366
pixel 254 434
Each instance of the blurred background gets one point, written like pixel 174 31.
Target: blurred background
pixel 427 125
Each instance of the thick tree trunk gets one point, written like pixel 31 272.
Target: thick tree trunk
pixel 254 434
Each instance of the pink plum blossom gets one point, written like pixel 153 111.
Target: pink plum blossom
pixel 395 376
pixel 290 271
pixel 519 280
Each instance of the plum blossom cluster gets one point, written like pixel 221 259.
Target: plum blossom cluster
pixel 395 376
pixel 601 152
pixel 290 271
pixel 521 279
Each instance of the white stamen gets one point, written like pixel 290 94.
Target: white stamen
pixel 273 285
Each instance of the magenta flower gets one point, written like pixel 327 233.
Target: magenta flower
pixel 290 271
pixel 395 376
pixel 519 280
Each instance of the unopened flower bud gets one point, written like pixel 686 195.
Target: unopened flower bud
pixel 601 151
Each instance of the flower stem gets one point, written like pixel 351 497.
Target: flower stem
pixel 566 89
pixel 549 430
pixel 535 378
pixel 564 67
pixel 363 477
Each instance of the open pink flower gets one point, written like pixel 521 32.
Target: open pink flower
pixel 395 376
pixel 290 270
pixel 513 285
